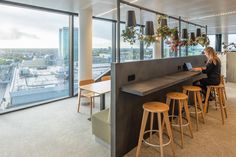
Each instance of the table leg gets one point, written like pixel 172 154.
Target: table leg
pixel 102 102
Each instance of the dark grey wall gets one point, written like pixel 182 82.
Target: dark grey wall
pixel 126 109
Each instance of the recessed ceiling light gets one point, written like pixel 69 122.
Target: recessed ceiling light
pixel 102 14
pixel 214 15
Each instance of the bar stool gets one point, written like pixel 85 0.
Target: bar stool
pixel 159 108
pixel 222 81
pixel 182 103
pixel 219 92
pixel 197 100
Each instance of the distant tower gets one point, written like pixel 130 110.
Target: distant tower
pixel 64 44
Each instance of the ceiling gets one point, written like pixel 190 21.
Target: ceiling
pixel 218 15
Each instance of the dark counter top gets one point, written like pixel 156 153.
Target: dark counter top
pixel 149 86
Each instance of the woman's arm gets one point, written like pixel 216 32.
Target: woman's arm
pixel 208 68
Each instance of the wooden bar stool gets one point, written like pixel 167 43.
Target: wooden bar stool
pixel 197 100
pixel 222 81
pixel 219 89
pixel 182 103
pixel 159 108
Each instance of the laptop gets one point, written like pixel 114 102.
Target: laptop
pixel 188 66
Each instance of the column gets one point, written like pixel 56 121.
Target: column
pixel 85 44
pixel 157 50
pixel 224 40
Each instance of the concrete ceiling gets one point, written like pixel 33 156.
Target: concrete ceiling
pixel 218 15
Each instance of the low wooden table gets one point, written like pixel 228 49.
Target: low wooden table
pixel 100 88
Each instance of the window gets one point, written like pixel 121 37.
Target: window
pixel 212 39
pixel 102 47
pixel 232 39
pixel 129 52
pixel 34 56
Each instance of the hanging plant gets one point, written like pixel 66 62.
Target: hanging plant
pixel 129 35
pixel 192 42
pixel 203 40
pixel 148 39
pixel 174 40
pixel 163 30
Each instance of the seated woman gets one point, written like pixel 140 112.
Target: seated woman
pixel 212 69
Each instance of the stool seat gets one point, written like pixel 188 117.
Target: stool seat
pixel 177 96
pixel 155 107
pixel 192 88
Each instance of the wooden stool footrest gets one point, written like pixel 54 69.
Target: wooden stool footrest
pixel 156 145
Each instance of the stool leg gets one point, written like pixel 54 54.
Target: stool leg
pixel 181 123
pixel 151 126
pixel 206 99
pixel 173 111
pixel 223 102
pixel 196 109
pixel 143 125
pixel 200 105
pixel 169 131
pixel 160 134
pixel 221 105
pixel 188 117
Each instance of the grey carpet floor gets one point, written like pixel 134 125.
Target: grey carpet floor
pixel 57 130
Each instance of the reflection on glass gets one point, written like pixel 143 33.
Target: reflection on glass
pixel 102 43
pixel 129 52
pixel 34 57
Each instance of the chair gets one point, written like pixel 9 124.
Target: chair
pixel 105 78
pixel 221 100
pixel 222 81
pixel 182 100
pixel 86 94
pixel 161 110
pixel 197 100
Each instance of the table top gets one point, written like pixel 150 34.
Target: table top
pixel 98 87
pixel 149 86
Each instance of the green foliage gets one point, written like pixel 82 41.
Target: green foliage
pixel 129 35
pixel 203 40
pixel 148 39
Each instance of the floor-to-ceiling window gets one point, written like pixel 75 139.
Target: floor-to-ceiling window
pixel 232 39
pixel 34 56
pixel 102 46
pixel 129 52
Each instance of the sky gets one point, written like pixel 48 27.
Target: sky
pixel 26 28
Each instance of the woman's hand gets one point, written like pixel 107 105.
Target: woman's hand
pixel 197 69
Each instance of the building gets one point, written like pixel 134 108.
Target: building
pixel 64 43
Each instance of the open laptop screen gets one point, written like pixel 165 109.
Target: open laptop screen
pixel 188 66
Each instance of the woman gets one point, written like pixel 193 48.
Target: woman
pixel 212 70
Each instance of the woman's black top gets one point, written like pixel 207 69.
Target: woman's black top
pixel 213 72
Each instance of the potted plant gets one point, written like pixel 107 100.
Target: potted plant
pixel 163 30
pixel 203 40
pixel 148 39
pixel 129 35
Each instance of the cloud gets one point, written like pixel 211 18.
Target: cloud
pixel 15 34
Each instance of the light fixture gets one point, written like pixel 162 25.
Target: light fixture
pixel 192 36
pixel 198 33
pixel 149 29
pixel 131 19
pixel 184 33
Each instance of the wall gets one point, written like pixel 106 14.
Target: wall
pixel 231 67
pixel 126 109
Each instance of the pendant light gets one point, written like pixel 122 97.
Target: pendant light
pixel 163 22
pixel 131 19
pixel 192 36
pixel 198 33
pixel 149 29
pixel 184 33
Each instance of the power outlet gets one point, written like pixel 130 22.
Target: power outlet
pixel 179 67
pixel 131 77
